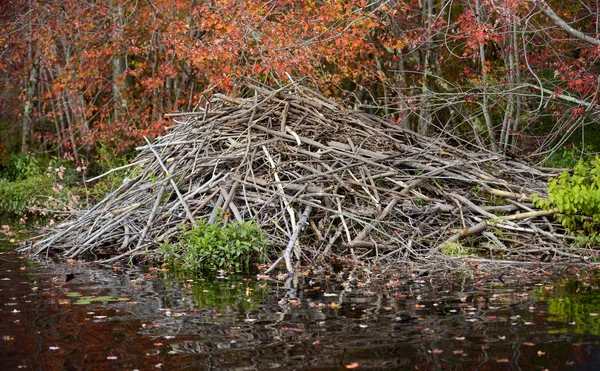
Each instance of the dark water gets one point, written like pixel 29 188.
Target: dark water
pixel 76 316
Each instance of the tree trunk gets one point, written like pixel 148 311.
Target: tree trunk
pixel 27 124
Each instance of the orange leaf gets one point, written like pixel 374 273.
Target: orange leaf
pixel 352 365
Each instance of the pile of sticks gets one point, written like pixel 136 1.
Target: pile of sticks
pixel 319 180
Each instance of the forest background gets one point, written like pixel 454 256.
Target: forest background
pixel 83 82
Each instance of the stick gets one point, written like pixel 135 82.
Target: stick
pixel 183 203
pixel 292 242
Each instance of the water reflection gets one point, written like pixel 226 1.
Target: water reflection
pixel 80 317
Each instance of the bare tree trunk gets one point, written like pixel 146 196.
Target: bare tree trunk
pixel 404 117
pixel 118 64
pixel 485 97
pixel 30 91
pixel 425 111
pixel 31 85
pixel 516 63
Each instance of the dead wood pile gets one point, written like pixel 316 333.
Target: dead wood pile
pixel 320 180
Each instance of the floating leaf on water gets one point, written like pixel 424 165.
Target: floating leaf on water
pixel 73 294
pixel 104 298
pixel 83 302
pixel 352 365
pixel 124 299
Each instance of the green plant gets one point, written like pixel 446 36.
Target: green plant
pixel 19 195
pixel 106 160
pixel 454 249
pixel 568 157
pixel 19 166
pixel 215 246
pixel 576 198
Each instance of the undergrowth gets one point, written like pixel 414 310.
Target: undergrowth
pixel 32 184
pixel 217 246
pixel 576 198
pixel 106 160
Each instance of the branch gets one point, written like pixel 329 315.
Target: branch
pixel 545 8
pixel 588 105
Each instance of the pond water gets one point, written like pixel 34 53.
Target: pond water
pixel 74 316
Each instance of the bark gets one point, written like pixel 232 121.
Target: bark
pixel 425 111
pixel 27 123
pixel 548 12
pixel 484 93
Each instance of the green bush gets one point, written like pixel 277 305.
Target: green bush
pixel 17 196
pixel 106 160
pixel 568 157
pixel 217 246
pixel 576 197
pixel 28 181
pixel 19 166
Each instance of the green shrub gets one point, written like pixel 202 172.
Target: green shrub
pixel 106 160
pixel 568 157
pixel 576 197
pixel 454 249
pixel 17 196
pixel 217 246
pixel 19 166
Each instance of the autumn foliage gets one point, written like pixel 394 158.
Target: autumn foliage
pixel 489 73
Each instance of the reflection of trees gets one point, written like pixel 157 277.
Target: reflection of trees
pixel 290 324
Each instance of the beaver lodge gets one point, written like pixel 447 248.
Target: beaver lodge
pixel 321 181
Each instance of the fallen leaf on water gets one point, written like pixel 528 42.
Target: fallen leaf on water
pixel 111 358
pixel 435 351
pixel 335 305
pixel 458 351
pixel 540 353
pixel 527 343
pixel 352 365
pixel 503 360
pixel 158 344
pixel 53 348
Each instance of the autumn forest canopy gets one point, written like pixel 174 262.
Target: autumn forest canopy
pixel 510 76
